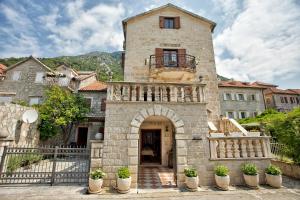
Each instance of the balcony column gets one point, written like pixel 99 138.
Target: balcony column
pixel 164 93
pixel 173 93
pixel 133 93
pixel 250 149
pixel 156 93
pixel 229 149
pixel 118 93
pixel 149 93
pixel 109 92
pixel 221 149
pixel 213 149
pixel 141 98
pixel 125 95
pixel 257 148
pixel 195 94
pixel 236 150
pixel 180 95
pixel 244 148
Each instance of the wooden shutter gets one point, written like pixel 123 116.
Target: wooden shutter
pixel 103 104
pixel 181 58
pixel 161 22
pixel 159 56
pixel 177 23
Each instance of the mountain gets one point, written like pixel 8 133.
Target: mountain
pixel 101 62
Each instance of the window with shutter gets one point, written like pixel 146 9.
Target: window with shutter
pixel 159 57
pixel 169 22
pixel 103 104
pixel 182 58
pixel 177 22
pixel 161 22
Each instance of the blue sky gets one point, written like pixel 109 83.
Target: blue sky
pixel 253 40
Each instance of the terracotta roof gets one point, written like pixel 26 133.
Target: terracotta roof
pixel 96 86
pixel 239 84
pixel 280 91
pixel 295 90
pixel 2 68
pixel 264 84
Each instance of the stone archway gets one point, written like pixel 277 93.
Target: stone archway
pixel 134 136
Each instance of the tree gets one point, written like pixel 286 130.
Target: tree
pixel 60 112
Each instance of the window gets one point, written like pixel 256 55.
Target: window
pixel 292 99
pixel 34 100
pixel 5 99
pixel 88 102
pixel 297 99
pixel 39 77
pixel 16 75
pixel 170 58
pixel 241 97
pixel 252 97
pixel 285 100
pixel 169 22
pixel 230 115
pixel 228 96
pixel 281 99
pixel 103 104
pixel 242 115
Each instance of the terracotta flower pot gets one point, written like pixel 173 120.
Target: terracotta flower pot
pixel 192 183
pixel 222 182
pixel 95 186
pixel 251 180
pixel 123 185
pixel 274 180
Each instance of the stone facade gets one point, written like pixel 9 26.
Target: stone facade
pixel 21 82
pixel 184 98
pixel 250 104
pixel 282 101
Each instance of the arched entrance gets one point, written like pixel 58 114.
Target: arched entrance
pixel 154 134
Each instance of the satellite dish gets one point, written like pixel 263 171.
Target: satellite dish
pixel 30 116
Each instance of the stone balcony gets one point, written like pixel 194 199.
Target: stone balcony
pixel 240 148
pixel 156 92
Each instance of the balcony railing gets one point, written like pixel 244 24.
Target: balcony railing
pixel 244 147
pixel 173 61
pixel 155 92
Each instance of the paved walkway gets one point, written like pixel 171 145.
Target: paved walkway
pixel 290 191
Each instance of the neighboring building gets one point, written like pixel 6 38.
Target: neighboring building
pixel 282 100
pixel 25 81
pixel 160 115
pixel 240 100
pixel 95 95
pixel 75 79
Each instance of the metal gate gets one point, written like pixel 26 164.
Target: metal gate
pixel 44 165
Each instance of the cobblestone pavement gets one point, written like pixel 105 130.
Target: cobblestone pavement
pixel 289 191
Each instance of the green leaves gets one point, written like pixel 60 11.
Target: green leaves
pixel 249 169
pixel 60 110
pixel 190 172
pixel 221 170
pixel 123 173
pixel 273 170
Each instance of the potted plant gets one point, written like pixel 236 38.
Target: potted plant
pixel 250 174
pixel 273 176
pixel 191 179
pixel 221 176
pixel 96 181
pixel 123 180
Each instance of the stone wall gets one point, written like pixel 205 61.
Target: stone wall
pixel 26 86
pixel 96 97
pixel 121 139
pixel 143 35
pixel 291 170
pixel 20 133
pixel 283 106
pixel 249 106
pixel 96 154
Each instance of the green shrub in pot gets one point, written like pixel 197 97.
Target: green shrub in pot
pixel 191 179
pixel 273 176
pixel 250 173
pixel 221 177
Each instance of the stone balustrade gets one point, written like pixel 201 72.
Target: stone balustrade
pixel 245 147
pixel 156 92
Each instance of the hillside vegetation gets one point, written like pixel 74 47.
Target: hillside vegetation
pixel 101 62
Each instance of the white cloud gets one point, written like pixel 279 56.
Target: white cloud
pixel 88 29
pixel 263 42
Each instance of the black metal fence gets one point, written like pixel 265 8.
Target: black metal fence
pixel 48 165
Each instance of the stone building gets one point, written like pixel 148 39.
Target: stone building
pixel 282 100
pixel 25 81
pixel 240 100
pixel 95 95
pixel 161 114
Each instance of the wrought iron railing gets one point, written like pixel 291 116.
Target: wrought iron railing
pixel 172 60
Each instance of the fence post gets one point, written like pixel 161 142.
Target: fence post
pixel 54 165
pixel 3 158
